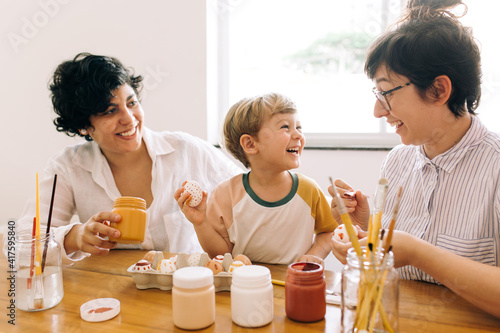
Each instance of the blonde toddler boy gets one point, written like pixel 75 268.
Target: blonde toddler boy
pixel 270 214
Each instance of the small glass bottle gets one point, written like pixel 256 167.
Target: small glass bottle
pixel 305 292
pixel 39 282
pixel 132 226
pixel 193 298
pixel 252 296
pixel 370 293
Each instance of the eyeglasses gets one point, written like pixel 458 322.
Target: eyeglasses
pixel 382 95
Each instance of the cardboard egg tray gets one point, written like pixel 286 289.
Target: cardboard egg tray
pixel 154 279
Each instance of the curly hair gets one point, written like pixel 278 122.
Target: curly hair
pixel 246 117
pixel 427 42
pixel 83 87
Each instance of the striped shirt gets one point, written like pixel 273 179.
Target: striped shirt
pixel 451 201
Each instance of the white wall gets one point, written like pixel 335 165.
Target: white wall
pixel 164 40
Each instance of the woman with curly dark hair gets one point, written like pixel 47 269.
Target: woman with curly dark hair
pixel 427 77
pixel 96 97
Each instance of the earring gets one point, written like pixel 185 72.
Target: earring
pixel 84 132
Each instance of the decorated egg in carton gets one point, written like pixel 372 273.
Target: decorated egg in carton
pixel 160 273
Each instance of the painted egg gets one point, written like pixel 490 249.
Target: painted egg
pixel 219 258
pixel 173 259
pixel 196 192
pixel 150 256
pixel 243 258
pixel 194 259
pixel 166 266
pixel 142 265
pixel 215 266
pixel 340 234
pixel 234 265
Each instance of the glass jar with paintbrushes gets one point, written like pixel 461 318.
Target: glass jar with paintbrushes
pixel 369 293
pixel 370 284
pixel 39 283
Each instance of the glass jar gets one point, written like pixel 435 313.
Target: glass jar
pixel 132 226
pixel 305 292
pixel 193 298
pixel 39 282
pixel 252 296
pixel 370 293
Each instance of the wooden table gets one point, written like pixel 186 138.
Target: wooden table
pixel 423 307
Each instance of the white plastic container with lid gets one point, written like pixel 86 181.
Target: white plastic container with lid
pixel 252 296
pixel 193 298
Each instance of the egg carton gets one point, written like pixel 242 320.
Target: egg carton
pixel 154 279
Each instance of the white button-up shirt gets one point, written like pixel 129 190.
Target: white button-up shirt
pixel 86 186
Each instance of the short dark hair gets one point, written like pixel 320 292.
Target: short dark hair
pixel 82 87
pixel 427 43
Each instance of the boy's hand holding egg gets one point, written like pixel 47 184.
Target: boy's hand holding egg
pixel 192 201
pixel 196 192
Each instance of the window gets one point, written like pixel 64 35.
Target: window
pixel 313 51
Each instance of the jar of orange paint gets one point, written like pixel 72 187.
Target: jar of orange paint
pixel 133 223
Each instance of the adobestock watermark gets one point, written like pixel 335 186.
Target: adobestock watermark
pixel 379 19
pixel 224 7
pixel 11 271
pixel 438 307
pixel 490 85
pixel 153 78
pixel 114 285
pixel 30 26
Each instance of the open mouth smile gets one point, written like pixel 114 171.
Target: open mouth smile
pixel 397 124
pixel 129 133
pixel 294 150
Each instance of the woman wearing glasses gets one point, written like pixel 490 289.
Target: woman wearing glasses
pixel 427 79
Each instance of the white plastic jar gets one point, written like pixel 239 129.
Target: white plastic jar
pixel 193 298
pixel 252 296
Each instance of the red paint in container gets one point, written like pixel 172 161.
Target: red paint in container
pixel 100 310
pixel 305 291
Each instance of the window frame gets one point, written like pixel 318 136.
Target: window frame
pixel 338 141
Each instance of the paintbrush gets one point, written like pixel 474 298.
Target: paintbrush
pixel 378 210
pixel 44 257
pixel 388 240
pixel 346 219
pixel 32 263
pixel 38 299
